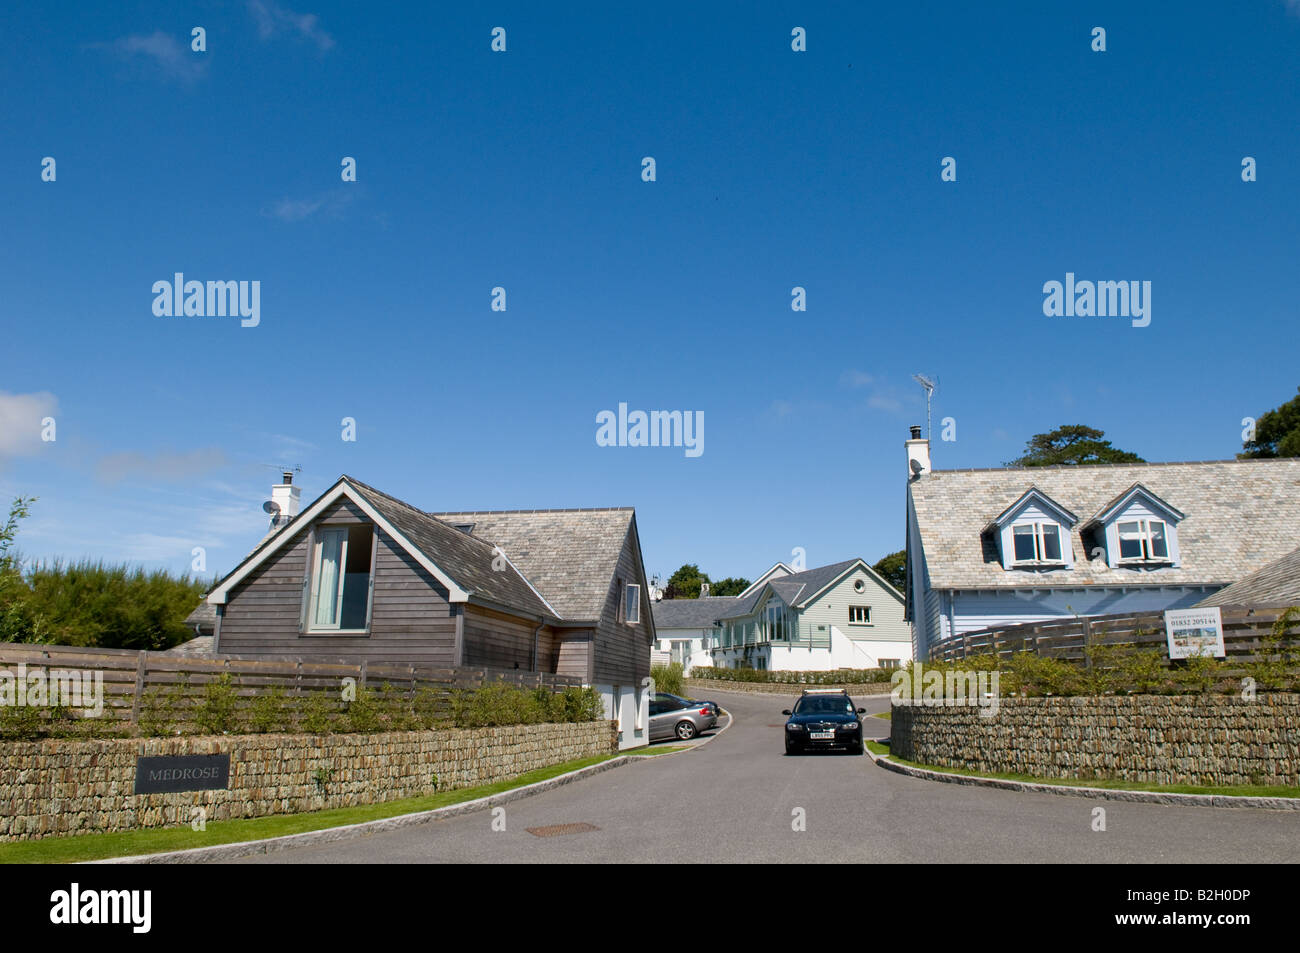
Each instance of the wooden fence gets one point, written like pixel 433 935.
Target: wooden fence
pixel 134 681
pixel 1069 639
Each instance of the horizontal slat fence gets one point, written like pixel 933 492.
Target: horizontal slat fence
pixel 1244 628
pixel 134 684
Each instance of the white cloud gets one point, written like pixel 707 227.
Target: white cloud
pixel 273 19
pixel 165 51
pixel 856 379
pixel 878 402
pixel 20 422
pixel 164 465
pixel 330 204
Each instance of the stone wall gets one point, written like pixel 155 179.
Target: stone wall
pixel 55 787
pixel 699 687
pixel 1186 739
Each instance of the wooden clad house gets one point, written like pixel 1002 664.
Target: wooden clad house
pixel 361 575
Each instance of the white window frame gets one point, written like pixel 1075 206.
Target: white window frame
pixel 632 603
pixel 1040 547
pixel 1144 524
pixel 853 621
pixel 311 627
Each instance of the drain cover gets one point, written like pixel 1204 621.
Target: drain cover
pixel 559 830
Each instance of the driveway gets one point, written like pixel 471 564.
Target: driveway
pixel 739 798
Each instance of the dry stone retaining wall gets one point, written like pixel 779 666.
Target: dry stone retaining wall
pixel 1185 739
pixel 56 787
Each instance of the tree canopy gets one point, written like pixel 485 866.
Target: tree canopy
pixel 1277 433
pixel 685 584
pixel 1072 444
pixel 893 568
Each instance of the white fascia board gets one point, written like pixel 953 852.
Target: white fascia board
pixel 219 595
pixel 859 563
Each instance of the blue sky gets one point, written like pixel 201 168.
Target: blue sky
pixel 522 169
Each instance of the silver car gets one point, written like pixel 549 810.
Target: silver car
pixel 673 717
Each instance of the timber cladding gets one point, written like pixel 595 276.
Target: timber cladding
pixel 1211 740
pixel 412 621
pixel 56 787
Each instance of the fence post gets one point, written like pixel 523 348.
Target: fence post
pixel 412 682
pixel 1087 642
pixel 139 688
pixel 362 680
pixel 297 679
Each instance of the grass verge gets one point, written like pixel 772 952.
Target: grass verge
pixel 1245 790
pixel 81 847
pixel 651 752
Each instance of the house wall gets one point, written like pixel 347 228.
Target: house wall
pixel 573 653
pixel 622 651
pixel 697 653
pixel 504 641
pixel 887 623
pixel 412 620
pixel 629 707
pixel 982 610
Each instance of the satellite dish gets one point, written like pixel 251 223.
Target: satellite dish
pixel 916 466
pixel 270 506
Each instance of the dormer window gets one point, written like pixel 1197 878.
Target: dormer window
pixel 1143 541
pixel 1138 529
pixel 1033 533
pixel 1037 542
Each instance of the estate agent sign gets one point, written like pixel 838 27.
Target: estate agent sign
pixel 187 772
pixel 1194 632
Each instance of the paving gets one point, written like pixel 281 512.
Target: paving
pixel 739 798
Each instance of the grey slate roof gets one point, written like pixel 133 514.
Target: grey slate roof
pixel 205 617
pixel 466 559
pixel 691 613
pixel 569 555
pixel 201 646
pixel 1277 584
pixel 1240 515
pixel 795 589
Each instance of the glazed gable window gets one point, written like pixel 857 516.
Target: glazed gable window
pixel 632 604
pixel 342 560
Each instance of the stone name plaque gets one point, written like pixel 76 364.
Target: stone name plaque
pixel 185 772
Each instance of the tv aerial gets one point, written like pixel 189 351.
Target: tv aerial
pixel 929 384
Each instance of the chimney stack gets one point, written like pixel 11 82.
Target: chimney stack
pixel 918 454
pixel 288 497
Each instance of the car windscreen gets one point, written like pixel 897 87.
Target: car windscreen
pixel 824 705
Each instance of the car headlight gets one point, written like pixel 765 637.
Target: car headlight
pixel 793 727
pixel 851 726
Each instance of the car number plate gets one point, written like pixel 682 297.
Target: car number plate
pixel 822 735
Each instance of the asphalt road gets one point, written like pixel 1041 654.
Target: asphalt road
pixel 737 798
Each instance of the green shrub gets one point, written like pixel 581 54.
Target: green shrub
pixel 669 678
pixel 269 713
pixel 218 712
pixel 159 712
pixel 318 714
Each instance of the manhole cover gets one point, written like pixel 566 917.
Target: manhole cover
pixel 559 830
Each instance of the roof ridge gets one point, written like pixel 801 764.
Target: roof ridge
pixel 1084 466
pixel 478 540
pixel 559 509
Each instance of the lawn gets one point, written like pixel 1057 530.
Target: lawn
pixel 81 847
pixel 1253 790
